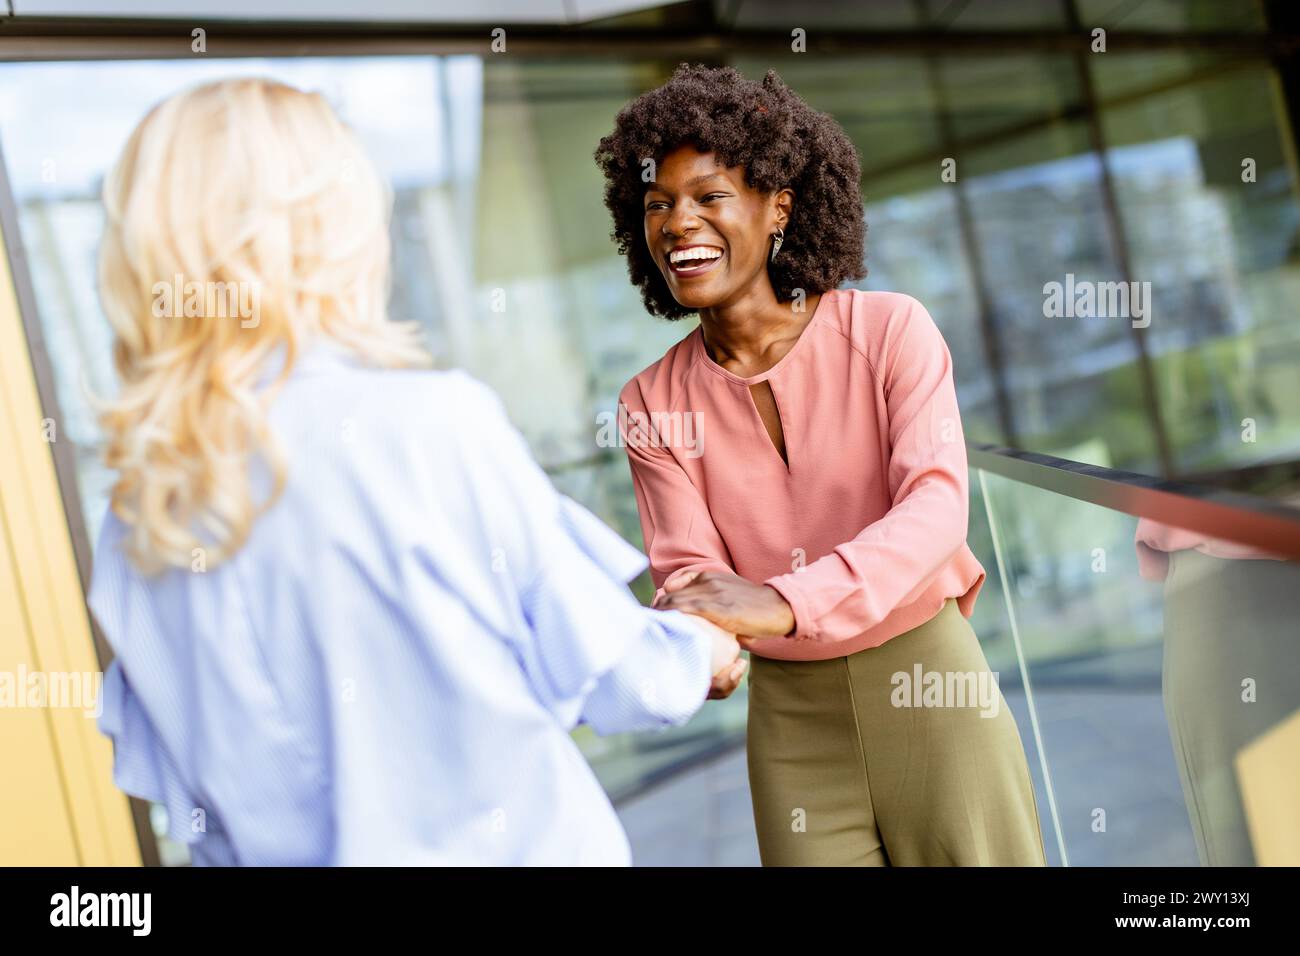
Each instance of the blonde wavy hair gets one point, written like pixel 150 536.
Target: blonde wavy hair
pixel 246 185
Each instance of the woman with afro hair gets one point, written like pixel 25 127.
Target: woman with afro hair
pixel 821 505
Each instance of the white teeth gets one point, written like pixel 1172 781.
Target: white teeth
pixel 694 252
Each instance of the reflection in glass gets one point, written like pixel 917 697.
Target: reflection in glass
pixel 1153 656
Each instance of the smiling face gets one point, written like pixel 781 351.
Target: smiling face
pixel 709 232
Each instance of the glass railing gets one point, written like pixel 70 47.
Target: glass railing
pixel 1146 637
pixel 1147 640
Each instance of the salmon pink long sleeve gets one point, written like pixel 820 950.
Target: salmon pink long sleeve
pixel 864 531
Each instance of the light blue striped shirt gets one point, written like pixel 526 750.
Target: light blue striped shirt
pixel 387 671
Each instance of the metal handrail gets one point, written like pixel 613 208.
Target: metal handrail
pixel 1226 515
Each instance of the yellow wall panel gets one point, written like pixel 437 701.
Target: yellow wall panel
pixel 52 613
pixel 35 824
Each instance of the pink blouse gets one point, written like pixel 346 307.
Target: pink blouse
pixel 864 532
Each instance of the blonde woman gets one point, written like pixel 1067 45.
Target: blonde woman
pixel 352 620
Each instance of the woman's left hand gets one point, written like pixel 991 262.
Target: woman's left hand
pixel 731 602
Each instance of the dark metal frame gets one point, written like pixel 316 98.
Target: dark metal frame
pixel 1119 243
pixel 688 37
pixel 952 145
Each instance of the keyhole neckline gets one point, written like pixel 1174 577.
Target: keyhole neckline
pixel 702 353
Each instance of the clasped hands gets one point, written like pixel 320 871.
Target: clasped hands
pixel 737 611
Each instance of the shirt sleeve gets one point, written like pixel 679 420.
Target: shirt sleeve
pixel 892 561
pixel 679 533
pixel 592 652
pixel 644 691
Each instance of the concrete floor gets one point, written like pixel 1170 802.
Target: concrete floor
pixel 702 817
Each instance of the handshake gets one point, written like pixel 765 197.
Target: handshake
pixel 735 612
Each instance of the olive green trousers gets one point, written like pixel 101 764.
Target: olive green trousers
pixel 897 755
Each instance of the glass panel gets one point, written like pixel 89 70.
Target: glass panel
pixel 987 95
pixel 992 624
pixel 1040 218
pixel 889 131
pixel 1155 656
pixel 1209 206
pixel 913 246
pixel 877 15
pixel 997 15
pixel 1172 15
pixel 1117 74
pixel 62 135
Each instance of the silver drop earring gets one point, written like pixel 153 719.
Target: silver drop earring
pixel 777 239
